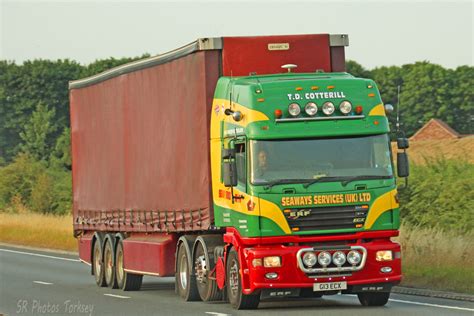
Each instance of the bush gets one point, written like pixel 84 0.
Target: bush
pixel 27 182
pixel 440 194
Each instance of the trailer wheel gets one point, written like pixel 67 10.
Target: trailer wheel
pixel 125 281
pixel 184 278
pixel 203 266
pixel 109 264
pixel 233 282
pixel 373 299
pixel 98 264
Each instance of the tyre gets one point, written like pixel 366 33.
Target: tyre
pixel 125 281
pixel 184 278
pixel 203 265
pixel 109 264
pixel 373 299
pixel 98 264
pixel 236 298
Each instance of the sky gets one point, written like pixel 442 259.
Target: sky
pixel 381 33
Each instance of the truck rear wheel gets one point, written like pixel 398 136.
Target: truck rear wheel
pixel 373 299
pixel 109 263
pixel 233 282
pixel 125 281
pixel 98 264
pixel 184 278
pixel 203 266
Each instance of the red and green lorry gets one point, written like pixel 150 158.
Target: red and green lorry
pixel 247 167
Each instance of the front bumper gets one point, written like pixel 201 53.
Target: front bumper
pixel 290 275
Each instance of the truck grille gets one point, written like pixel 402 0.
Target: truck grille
pixel 328 217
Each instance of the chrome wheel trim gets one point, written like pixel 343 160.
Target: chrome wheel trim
pixel 183 272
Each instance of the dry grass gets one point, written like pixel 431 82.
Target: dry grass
pixel 37 230
pixel 419 151
pixel 435 259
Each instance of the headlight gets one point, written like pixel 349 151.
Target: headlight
pixel 311 109
pixel 309 259
pixel 345 107
pixel 272 262
pixel 294 109
pixel 324 258
pixel 339 258
pixel 328 108
pixel 354 257
pixel 384 255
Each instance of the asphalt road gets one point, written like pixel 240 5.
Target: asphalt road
pixel 42 283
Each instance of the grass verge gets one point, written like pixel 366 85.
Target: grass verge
pixel 37 230
pixel 436 259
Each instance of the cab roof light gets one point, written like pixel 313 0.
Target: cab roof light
pixel 260 99
pixel 331 87
pixel 278 113
pixel 299 88
pixel 314 88
pixel 371 95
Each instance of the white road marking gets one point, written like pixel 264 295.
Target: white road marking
pixel 40 255
pixel 434 305
pixel 117 296
pixel 217 314
pixel 41 282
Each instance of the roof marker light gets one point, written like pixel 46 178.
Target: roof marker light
pixel 261 100
pixel 299 88
pixel 314 88
pixel 278 113
pixel 331 87
pixel 371 95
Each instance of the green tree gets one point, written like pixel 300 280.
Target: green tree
pixel 425 95
pixel 357 70
pixel 462 100
pixel 61 155
pixel 36 140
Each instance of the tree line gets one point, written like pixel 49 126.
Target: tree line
pixel 34 117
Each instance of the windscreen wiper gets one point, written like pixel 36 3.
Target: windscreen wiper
pixel 322 179
pixel 285 181
pixel 366 177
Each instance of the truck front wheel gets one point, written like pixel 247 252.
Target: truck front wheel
pixel 233 282
pixel 373 299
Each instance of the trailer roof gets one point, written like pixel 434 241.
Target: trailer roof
pixel 198 45
pixel 212 43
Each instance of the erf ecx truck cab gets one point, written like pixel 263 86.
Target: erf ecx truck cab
pixel 250 166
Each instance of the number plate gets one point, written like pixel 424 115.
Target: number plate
pixel 331 286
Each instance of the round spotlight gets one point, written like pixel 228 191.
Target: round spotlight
pixel 328 108
pixel 345 107
pixel 309 259
pixel 354 257
pixel 339 258
pixel 311 109
pixel 294 109
pixel 324 258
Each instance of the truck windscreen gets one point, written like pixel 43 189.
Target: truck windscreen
pixel 310 159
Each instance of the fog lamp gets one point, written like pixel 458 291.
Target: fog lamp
pixel 309 259
pixel 324 258
pixel 354 257
pixel 345 107
pixel 294 109
pixel 311 109
pixel 328 108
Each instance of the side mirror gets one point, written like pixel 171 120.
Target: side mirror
pixel 403 143
pixel 229 170
pixel 403 169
